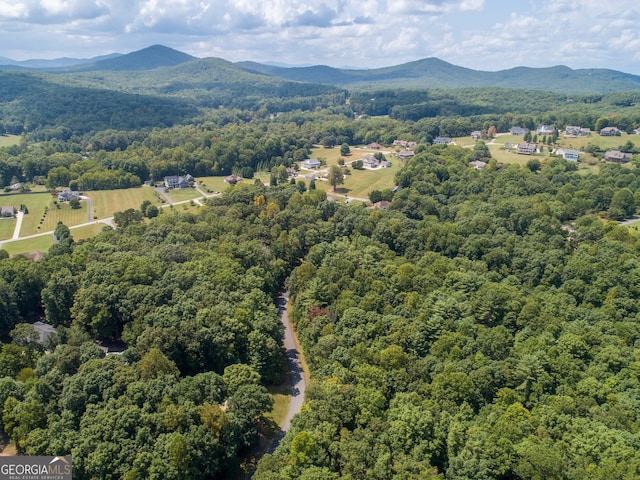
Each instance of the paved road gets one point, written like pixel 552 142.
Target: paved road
pixel 16 231
pixel 298 384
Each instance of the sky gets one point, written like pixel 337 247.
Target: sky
pixel 479 34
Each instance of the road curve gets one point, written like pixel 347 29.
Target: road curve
pixel 298 384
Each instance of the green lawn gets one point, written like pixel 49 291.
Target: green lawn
pixel 7 227
pixel 214 184
pixel 466 141
pixel 106 202
pixel 35 203
pixel 88 231
pixel 331 155
pixel 502 139
pixel 30 245
pixel 361 182
pixel 182 194
pixel 62 212
pixel 605 143
pixel 8 140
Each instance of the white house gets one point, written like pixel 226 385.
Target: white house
pixel 545 130
pixel 441 140
pixel 568 154
pixel 311 163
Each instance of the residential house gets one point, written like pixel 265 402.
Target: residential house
pixel 520 131
pixel 375 146
pixel 370 162
pixel 545 130
pixel 68 195
pixel 385 164
pixel 311 163
pixel 478 164
pixel 636 131
pixel 381 205
pixel 525 148
pixel 7 212
pixel 572 131
pixel 617 156
pixel 176 181
pixel 16 186
pixel 441 140
pixel 476 134
pixel 405 154
pixel 405 144
pixel 568 154
pixel 232 179
pixel 610 132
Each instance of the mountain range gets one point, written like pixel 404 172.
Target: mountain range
pixel 426 73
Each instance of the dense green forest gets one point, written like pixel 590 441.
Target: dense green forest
pixel 466 334
pixel 485 326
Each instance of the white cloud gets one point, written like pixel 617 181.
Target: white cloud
pixel 474 33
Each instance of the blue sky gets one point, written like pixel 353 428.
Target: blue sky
pixel 480 34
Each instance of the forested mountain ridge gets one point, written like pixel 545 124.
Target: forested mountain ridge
pixel 436 73
pixel 425 73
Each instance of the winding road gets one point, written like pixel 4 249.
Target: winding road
pixel 296 375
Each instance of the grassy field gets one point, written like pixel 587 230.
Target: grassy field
pixel 88 231
pixel 7 227
pixel 29 245
pixel 513 139
pixel 35 203
pixel 213 184
pixel 8 140
pixel 61 212
pixel 605 143
pixel 332 155
pixel 106 202
pixel 181 194
pixel 466 141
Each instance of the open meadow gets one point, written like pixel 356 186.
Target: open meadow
pixel 29 245
pixel 87 231
pixel 106 202
pixel 8 140
pixel 7 227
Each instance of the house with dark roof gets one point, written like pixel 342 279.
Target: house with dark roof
pixel 520 131
pixel 232 179
pixel 571 131
pixel 68 195
pixel 617 156
pixel 177 181
pixel 7 212
pixel 610 132
pixel 476 134
pixel 525 148
pixel 405 154
pixel 370 162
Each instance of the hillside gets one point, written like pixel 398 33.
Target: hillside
pixel 148 58
pixel 436 73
